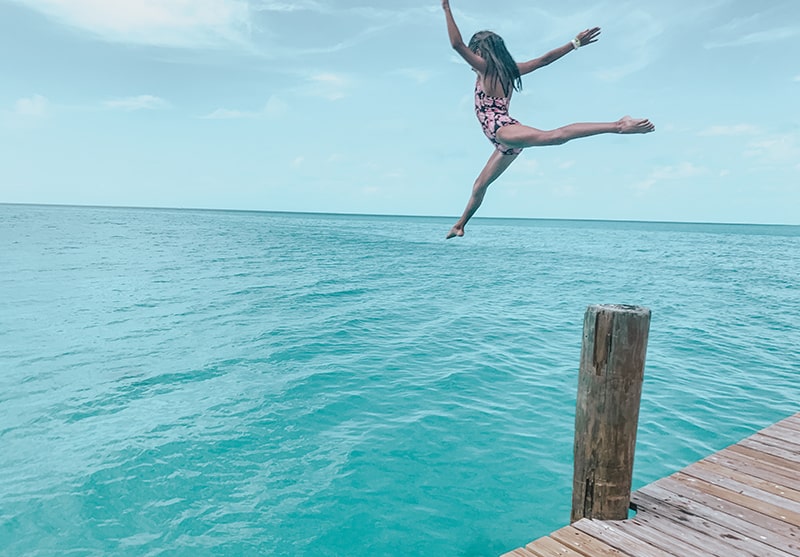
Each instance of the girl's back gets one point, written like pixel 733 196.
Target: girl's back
pixel 493 88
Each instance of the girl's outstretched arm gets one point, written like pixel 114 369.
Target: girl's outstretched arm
pixel 582 39
pixel 478 63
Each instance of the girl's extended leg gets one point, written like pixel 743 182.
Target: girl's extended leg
pixel 496 165
pixel 517 135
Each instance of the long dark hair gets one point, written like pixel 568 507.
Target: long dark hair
pixel 500 66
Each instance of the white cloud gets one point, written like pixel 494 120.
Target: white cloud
pixel 757 37
pixel 365 22
pixel 736 129
pixel 274 108
pixel 212 23
pixel 639 62
pixel 415 74
pixel 141 102
pixel 564 190
pixel 202 23
pixel 295 6
pixel 154 22
pixel 228 114
pixel 31 107
pixel 25 113
pixel 796 79
pixel 680 171
pixel 637 44
pixel 526 166
pixel 776 149
pixel 328 86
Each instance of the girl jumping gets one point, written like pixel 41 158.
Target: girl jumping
pixel 498 77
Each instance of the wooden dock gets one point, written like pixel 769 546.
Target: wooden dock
pixel 742 501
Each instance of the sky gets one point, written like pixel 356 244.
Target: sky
pixel 346 106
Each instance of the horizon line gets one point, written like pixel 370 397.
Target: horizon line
pixel 395 215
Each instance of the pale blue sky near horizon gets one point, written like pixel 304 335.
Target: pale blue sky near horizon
pixel 340 106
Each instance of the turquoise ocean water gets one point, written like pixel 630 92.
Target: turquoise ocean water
pixel 192 383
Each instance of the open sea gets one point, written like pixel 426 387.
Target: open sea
pixel 211 383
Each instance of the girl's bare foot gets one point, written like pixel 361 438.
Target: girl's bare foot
pixel 626 124
pixel 457 230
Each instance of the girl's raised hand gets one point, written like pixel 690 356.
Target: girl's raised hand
pixel 588 36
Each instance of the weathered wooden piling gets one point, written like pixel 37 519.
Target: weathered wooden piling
pixel 743 500
pixel 607 414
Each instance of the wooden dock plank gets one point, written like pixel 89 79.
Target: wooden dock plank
pixel 587 545
pixel 784 432
pixel 792 421
pixel 666 541
pixel 733 537
pixel 787 450
pixel 548 547
pixel 745 478
pixel 667 489
pixel 774 438
pixel 741 488
pixel 775 534
pixel 739 462
pixel 743 501
pixel 609 533
pixel 519 552
pixel 711 538
pixel 780 464
pixel 758 444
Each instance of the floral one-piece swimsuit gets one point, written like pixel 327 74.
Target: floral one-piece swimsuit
pixel 492 113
